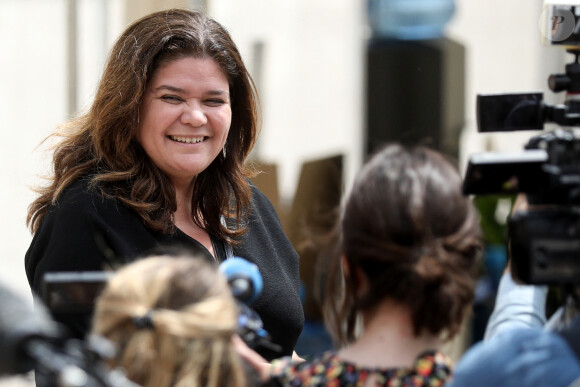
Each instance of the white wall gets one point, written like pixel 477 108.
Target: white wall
pixel 32 102
pixel 311 83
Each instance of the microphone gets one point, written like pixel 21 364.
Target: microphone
pixel 21 329
pixel 246 285
pixel 244 279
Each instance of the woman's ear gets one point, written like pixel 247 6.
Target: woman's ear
pixel 355 276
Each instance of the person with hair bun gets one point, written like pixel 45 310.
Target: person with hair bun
pixel 401 279
pixel 172 320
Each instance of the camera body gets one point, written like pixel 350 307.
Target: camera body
pixel 545 240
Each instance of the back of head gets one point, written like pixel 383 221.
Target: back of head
pixel 415 236
pixel 172 319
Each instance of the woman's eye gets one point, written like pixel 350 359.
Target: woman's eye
pixel 214 102
pixel 171 99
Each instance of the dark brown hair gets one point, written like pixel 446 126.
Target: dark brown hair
pixel 414 235
pixel 101 143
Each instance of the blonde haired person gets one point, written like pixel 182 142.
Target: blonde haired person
pixel 172 320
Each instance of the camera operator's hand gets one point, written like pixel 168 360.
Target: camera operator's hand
pixel 520 204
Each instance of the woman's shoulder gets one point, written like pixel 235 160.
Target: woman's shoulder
pixel 261 206
pixel 82 195
pixel 79 191
pixel 264 222
pixel 258 197
pixel 81 202
pixel 433 368
pixel 313 371
pixel 429 369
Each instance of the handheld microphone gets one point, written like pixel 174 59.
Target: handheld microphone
pixel 244 279
pixel 246 285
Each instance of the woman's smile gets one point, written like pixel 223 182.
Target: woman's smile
pixel 187 140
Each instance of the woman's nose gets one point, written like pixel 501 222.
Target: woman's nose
pixel 194 114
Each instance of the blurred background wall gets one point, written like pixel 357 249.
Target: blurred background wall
pixel 308 60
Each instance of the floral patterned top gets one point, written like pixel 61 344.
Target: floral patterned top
pixel 431 369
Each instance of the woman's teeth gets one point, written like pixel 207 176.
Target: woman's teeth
pixel 187 140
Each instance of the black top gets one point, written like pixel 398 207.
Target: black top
pixel 86 232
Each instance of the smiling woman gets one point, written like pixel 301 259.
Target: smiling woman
pixel 185 118
pixel 158 161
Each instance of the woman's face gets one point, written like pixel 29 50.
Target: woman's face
pixel 185 116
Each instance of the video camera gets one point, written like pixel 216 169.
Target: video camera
pixel 544 242
pixel 31 340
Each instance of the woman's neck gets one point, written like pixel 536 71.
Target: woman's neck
pixel 183 196
pixel 388 340
pixel 183 219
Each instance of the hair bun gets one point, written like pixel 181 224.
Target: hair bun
pixel 429 265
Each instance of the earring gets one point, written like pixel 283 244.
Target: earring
pixel 224 151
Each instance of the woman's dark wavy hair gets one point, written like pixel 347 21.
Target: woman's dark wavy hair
pixel 415 236
pixel 100 145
